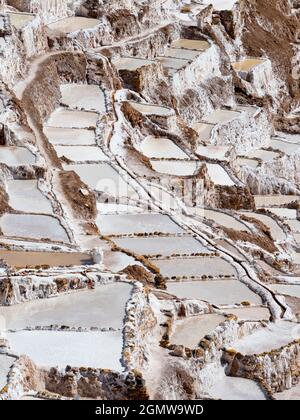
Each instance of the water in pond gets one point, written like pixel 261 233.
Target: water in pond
pixel 25 196
pixel 190 331
pixel 247 65
pixel 149 109
pixel 81 153
pixel 286 289
pixel 103 177
pixel 222 116
pixel 191 44
pixel 250 313
pixel 283 212
pixel 161 147
pixel 61 349
pixel 87 97
pixel 264 155
pixel 284 146
pixel 19 20
pixel 73 24
pixel 214 152
pixel 204 130
pixel 131 63
pixel 20 259
pixel 162 245
pixel 252 163
pixel 33 227
pixel 66 118
pixel 181 53
pixel 102 307
pixel 294 225
pixel 70 136
pixel 216 292
pixel 175 167
pixel 117 261
pixel 16 156
pixel 173 63
pixel 218 175
pixel 111 224
pixel 274 200
pixel 234 389
pixel 195 266
pixel 223 219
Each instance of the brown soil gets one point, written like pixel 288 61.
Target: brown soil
pixel 81 198
pixel 137 272
pixel 263 242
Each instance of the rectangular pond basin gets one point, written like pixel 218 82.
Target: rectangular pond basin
pixel 25 196
pixel 67 118
pixel 161 148
pixel 190 44
pixel 294 225
pixel 274 200
pixel 173 63
pixel 21 259
pixel 167 245
pixel 81 153
pixel 250 314
pixel 73 24
pixel 252 163
pixel 247 65
pixel 195 266
pixel 218 175
pixel 272 337
pixel 190 331
pixel 87 97
pixel 214 152
pixel 283 212
pixel 103 177
pixel 286 289
pixel 131 63
pixel 60 349
pixel 151 109
pixel 182 53
pixel 222 116
pixel 234 389
pixel 216 292
pixel 33 227
pixel 102 307
pixel 264 155
pixel 114 224
pixel 20 20
pixel 70 136
pixel 16 156
pixel 284 146
pixel 175 167
pixel 223 219
pixel 204 130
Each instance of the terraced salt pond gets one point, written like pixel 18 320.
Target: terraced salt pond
pixel 173 63
pixel 182 53
pixel 274 200
pixel 20 20
pixel 66 118
pixel 16 156
pixel 216 292
pixel 221 116
pixel 149 109
pixel 247 64
pixel 272 337
pixel 70 136
pixel 81 153
pixel 131 63
pixel 214 152
pixel 52 348
pixel 162 245
pixel 190 331
pixel 277 233
pixel 102 307
pixel 33 227
pixel 284 146
pixel 283 212
pixel 175 167
pixel 294 225
pixel 195 266
pixel 112 224
pixel 73 24
pixel 161 147
pixel 218 175
pixel 204 130
pixel 234 389
pixel 103 177
pixel 250 313
pixel 286 289
pixel 252 163
pixel 223 219
pixel 87 97
pixel 25 196
pixel 5 364
pixel 20 259
pixel 117 261
pixel 264 155
pixel 190 44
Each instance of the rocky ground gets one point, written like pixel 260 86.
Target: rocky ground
pixel 150 190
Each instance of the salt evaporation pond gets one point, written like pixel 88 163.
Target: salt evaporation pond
pixel 274 200
pixel 175 167
pixel 173 62
pixel 102 307
pixel 117 261
pixel 33 227
pixel 221 116
pixel 70 136
pixel 249 313
pixel 289 394
pixel 190 331
pixel 73 24
pixel 235 389
pixel 223 219
pixel 16 156
pixel 20 20
pixel 218 175
pixel 111 224
pixel 162 245
pixel 213 152
pixel 25 196
pixel 182 53
pixel 204 130
pixel 286 289
pixel 195 266
pixel 20 259
pixel 216 292
pixel 294 225
pixel 264 155
pixel 161 147
pixel 190 44
pixel 272 337
pixel 87 97
pixel 276 231
pixel 252 163
pixel 5 364
pixel 247 64
pixel 61 349
pixel 66 118
pixel 283 212
pixel 131 63
pixel 284 146
pixel 151 109
pixel 81 153
pixel 103 177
